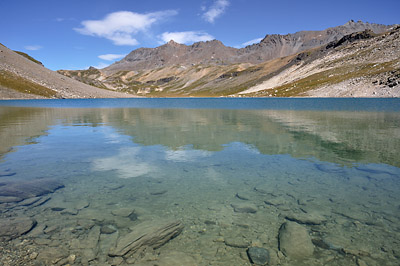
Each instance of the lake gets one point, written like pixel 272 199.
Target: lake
pixel 214 181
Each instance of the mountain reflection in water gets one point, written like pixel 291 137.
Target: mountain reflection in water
pixel 342 137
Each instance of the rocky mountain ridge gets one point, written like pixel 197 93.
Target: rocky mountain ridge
pixel 362 64
pixel 216 53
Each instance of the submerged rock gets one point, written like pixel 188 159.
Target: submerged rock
pixel 158 192
pixel 306 218
pixel 146 234
pixel 173 258
pixel 329 168
pixel 70 212
pixel 9 199
pixel 13 191
pixel 124 212
pixel 258 256
pixel 108 229
pixel 41 201
pixel 294 241
pixel 264 189
pixel 276 202
pixel 57 209
pixel 82 204
pixel 7 172
pixel 210 222
pixel 236 242
pixel 243 196
pixel 244 208
pixel 49 255
pixel 324 244
pixel 29 201
pixel 14 227
pixel 114 186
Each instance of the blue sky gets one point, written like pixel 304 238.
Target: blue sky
pixel 77 34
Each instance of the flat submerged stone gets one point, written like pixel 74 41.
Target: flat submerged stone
pixel 146 234
pixel 14 227
pixel 236 242
pixel 18 191
pixel 244 208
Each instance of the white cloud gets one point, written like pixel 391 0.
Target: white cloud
pixel 33 47
pixel 186 36
pixel 216 10
pixel 252 42
pixel 111 57
pixel 120 27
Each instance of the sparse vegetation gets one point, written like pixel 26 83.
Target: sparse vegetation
pixel 89 76
pixel 29 57
pixel 324 78
pixel 12 81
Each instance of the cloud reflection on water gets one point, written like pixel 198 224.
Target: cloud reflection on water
pixel 186 155
pixel 127 163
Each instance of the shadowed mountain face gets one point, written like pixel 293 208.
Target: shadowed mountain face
pixel 352 60
pixel 275 45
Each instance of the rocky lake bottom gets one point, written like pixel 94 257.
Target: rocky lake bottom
pixel 82 192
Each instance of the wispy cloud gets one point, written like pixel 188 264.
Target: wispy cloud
pixel 186 36
pixel 215 11
pixel 252 42
pixel 111 57
pixel 64 19
pixel 33 47
pixel 100 65
pixel 120 27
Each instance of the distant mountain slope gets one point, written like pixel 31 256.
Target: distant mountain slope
pixel 361 64
pixel 21 76
pixel 268 68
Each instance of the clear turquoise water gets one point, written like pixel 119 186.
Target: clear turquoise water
pixel 330 164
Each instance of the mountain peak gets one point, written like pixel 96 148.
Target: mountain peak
pixel 351 22
pixel 173 43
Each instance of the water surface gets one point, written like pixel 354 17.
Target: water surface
pixel 231 171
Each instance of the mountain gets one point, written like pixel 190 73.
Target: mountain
pixel 21 76
pixel 172 53
pixel 216 53
pixel 274 46
pixel 361 64
pixel 355 53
